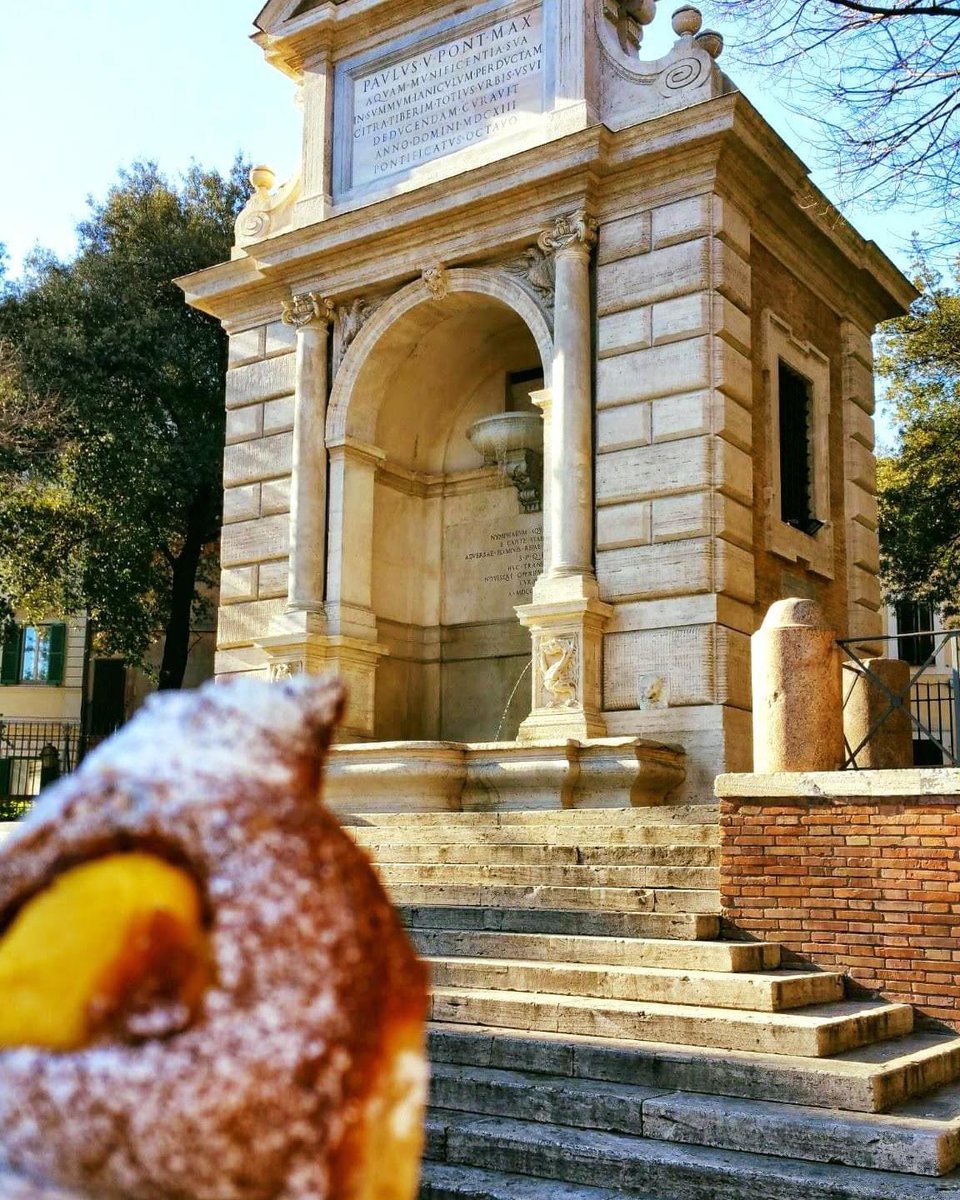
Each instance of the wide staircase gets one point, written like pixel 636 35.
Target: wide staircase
pixel 592 1037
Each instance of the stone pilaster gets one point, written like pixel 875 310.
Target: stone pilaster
pixel 305 648
pixel 566 619
pixel 311 316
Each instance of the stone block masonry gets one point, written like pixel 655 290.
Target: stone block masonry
pixel 857 871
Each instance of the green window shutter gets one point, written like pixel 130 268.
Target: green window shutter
pixel 58 643
pixel 10 663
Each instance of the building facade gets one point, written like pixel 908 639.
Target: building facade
pixel 550 371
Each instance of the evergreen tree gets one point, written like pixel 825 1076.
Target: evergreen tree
pixel 111 417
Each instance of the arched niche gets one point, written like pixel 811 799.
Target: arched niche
pixel 430 542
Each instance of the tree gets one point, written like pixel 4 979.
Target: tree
pixel 110 493
pixel 882 80
pixel 919 485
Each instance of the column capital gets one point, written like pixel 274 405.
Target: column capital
pixel 577 231
pixel 301 311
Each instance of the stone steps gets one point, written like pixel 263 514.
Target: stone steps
pixel 583 899
pixel 535 920
pixel 892 1074
pixel 591 1039
pixel 553 818
pixel 524 855
pixel 895 1073
pixel 446 1181
pixel 612 836
pixel 771 991
pixel 814 1032
pixel 652 1168
pixel 886 1142
pixel 608 951
pixel 459 875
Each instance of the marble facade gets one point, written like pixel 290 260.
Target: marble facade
pixel 505 208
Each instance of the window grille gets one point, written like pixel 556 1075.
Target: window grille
pixel 796 493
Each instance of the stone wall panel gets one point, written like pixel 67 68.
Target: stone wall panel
pixel 659 668
pixel 278 415
pixel 245 345
pixel 265 458
pixel 254 541
pixel 275 496
pixel 623 525
pixel 274 578
pixel 243 624
pixel 619 428
pixel 624 238
pixel 646 471
pixel 241 503
pixel 238 584
pixel 624 331
pixel 682 221
pixel 279 338
pixel 659 371
pixel 681 318
pixel 260 381
pixel 243 424
pixel 652 572
pixel 659 275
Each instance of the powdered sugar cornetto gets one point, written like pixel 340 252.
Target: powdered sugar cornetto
pixel 255 1100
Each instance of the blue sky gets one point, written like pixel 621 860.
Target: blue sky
pixel 87 86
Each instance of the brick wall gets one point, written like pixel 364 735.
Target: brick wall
pixel 867 885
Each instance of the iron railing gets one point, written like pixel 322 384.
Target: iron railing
pixel 33 754
pixel 932 704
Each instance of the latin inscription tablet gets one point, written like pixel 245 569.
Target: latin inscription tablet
pixel 447 97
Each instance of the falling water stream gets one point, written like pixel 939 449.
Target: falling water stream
pixel 506 708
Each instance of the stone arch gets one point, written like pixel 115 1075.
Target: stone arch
pixel 346 415
pixel 428 545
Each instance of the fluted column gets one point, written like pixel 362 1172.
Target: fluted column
pixel 571 239
pixel 311 315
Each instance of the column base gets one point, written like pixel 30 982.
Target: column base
pixel 567 645
pixel 308 651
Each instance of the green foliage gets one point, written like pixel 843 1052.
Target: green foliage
pixel 919 485
pixel 112 503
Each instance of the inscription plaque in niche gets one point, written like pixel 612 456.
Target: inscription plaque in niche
pixel 447 97
pixel 510 560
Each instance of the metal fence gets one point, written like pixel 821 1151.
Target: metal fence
pixel 33 754
pixel 931 698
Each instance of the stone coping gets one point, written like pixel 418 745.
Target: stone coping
pixel 921 785
pixel 533 746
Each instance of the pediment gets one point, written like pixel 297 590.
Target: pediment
pixel 275 14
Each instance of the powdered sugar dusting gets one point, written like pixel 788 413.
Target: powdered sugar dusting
pixel 310 962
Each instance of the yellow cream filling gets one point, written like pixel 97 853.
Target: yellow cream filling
pixel 109 936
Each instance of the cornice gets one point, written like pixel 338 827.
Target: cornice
pixel 722 144
pixel 799 225
pixel 345 25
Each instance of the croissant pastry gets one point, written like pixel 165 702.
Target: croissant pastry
pixel 207 994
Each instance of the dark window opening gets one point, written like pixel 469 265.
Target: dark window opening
pixel 519 386
pixel 914 617
pixel 796 450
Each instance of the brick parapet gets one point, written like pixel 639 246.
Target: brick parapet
pixel 866 883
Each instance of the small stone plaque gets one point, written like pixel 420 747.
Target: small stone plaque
pixel 492 557
pixel 451 92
